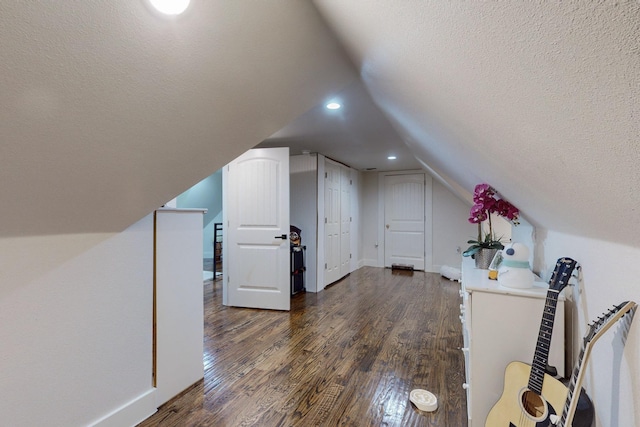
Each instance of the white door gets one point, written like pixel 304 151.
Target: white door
pixel 345 221
pixel 332 221
pixel 256 215
pixel 404 220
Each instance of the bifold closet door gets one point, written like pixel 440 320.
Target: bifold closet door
pixel 332 220
pixel 337 226
pixel 345 221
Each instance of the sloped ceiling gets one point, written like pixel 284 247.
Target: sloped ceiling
pixel 109 110
pixel 539 99
pixel 359 134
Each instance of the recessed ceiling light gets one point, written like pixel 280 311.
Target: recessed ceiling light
pixel 170 7
pixel 391 157
pixel 333 106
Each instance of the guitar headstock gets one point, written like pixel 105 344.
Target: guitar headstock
pixel 604 322
pixel 562 273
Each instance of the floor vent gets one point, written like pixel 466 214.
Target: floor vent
pixel 402 267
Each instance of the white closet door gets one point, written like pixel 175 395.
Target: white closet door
pixel 332 222
pixel 345 221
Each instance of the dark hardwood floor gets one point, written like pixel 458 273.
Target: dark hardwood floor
pixel 347 356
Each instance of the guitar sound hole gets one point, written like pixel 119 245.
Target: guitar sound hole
pixel 533 404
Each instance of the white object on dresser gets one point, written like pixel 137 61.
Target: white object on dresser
pixel 500 325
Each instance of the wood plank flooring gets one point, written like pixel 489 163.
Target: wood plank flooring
pixel 347 356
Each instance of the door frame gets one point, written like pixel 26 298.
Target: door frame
pixel 428 210
pixel 228 256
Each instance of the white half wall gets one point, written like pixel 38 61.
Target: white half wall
pixel 76 327
pixel 610 275
pixel 179 314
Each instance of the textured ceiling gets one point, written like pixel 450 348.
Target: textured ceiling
pixel 540 99
pixel 358 134
pixel 108 110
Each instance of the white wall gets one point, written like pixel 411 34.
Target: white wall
pixel 451 227
pixel 369 219
pixel 303 190
pixel 75 326
pixel 207 194
pixel 610 275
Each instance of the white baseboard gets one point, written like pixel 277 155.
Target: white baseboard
pixel 131 413
pixel 370 262
pixel 433 269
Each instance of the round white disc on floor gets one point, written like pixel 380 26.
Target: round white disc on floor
pixel 424 400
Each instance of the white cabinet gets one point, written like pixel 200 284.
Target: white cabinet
pixel 500 325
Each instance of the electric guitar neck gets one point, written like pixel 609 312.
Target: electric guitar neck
pixel 596 330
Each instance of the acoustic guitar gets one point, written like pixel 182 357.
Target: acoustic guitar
pixel 531 396
pixel 596 330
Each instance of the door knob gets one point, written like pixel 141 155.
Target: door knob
pixel 387 226
pixel 283 237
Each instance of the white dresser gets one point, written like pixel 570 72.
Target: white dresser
pixel 501 325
